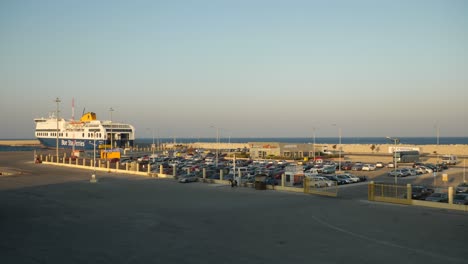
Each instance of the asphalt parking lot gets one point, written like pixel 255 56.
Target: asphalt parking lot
pixel 52 214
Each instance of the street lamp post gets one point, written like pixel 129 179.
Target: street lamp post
pixel 112 136
pixel 313 144
pixel 93 177
pixel 395 142
pixel 57 100
pixel 339 148
pixel 217 145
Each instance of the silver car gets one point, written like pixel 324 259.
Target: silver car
pixel 186 178
pixel 462 188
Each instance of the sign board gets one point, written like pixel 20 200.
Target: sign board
pixel 392 149
pixel 445 177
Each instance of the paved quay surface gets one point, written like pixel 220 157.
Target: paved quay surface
pixel 54 214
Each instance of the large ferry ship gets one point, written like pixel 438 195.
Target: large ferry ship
pixel 84 134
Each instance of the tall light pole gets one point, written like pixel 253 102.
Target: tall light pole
pixel 152 145
pixel 93 177
pixel 313 144
pixel 217 144
pixel 437 135
pixel 339 148
pixel 395 142
pixel 57 100
pixel 112 136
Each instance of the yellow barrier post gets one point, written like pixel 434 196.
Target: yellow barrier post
pixel 221 175
pixel 161 169
pixel 450 195
pixel 283 178
pixel 204 173
pixel 149 169
pixel 126 166
pixel 409 193
pixel 305 183
pixel 371 191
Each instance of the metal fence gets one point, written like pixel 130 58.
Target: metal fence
pixel 330 189
pixel 392 193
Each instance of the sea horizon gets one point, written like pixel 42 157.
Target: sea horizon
pixel 317 140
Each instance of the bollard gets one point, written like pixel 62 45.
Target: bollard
pixel 450 195
pixel 126 166
pixel 370 193
pixel 99 163
pixel 149 168
pixel 174 170
pixel 161 169
pixel 63 161
pixel 409 194
pixel 204 173
pixel 70 160
pixel 283 178
pixel 221 175
pixel 137 167
pixel 84 161
pixel 188 170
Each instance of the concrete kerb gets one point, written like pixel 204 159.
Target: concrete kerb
pixel 166 176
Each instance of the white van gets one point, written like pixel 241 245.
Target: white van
pixel 450 159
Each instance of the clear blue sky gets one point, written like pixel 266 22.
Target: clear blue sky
pixel 250 67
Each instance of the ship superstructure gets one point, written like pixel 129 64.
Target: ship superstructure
pixel 84 134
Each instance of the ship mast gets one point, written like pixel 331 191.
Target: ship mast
pixel 73 120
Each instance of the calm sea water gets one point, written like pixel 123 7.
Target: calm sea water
pixel 319 140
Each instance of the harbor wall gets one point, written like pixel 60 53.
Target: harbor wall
pixel 458 149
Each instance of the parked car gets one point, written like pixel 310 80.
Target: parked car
pixel 397 173
pixel 368 167
pixel 461 198
pixel 462 188
pixel 335 179
pixel 438 197
pixel 347 166
pixel 344 178
pixel 379 164
pixel 352 177
pixel 362 178
pixel 318 182
pixel 186 178
pixel 357 167
pixel 419 192
pixel 390 165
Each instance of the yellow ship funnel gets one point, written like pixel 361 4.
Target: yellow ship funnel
pixel 90 116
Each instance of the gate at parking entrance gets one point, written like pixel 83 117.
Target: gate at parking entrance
pixel 314 189
pixel 390 193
